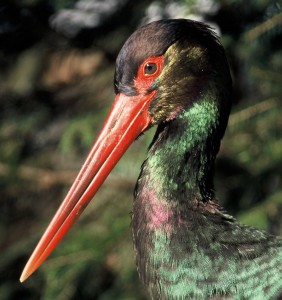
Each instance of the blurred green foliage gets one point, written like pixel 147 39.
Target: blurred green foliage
pixel 55 91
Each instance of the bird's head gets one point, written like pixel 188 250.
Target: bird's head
pixel 173 62
pixel 162 69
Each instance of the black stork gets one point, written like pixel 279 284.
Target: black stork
pixel 174 74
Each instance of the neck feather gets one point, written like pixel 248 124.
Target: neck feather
pixel 186 247
pixel 175 182
pixel 181 158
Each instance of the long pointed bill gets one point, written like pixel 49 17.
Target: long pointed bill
pixel 128 118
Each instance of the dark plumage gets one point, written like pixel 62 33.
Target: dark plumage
pixel 174 74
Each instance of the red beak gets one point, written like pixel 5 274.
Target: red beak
pixel 127 119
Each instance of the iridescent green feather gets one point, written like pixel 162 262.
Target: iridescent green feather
pixel 197 252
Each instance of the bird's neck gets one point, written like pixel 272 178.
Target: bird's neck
pixel 180 164
pixel 175 186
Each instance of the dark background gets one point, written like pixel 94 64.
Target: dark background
pixel 56 69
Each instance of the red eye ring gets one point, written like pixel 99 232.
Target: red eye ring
pixel 148 71
pixel 151 66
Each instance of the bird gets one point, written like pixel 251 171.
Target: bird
pixel 174 74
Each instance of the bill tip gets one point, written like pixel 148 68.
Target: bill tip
pixel 22 278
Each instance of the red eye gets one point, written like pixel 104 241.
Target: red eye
pixel 148 71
